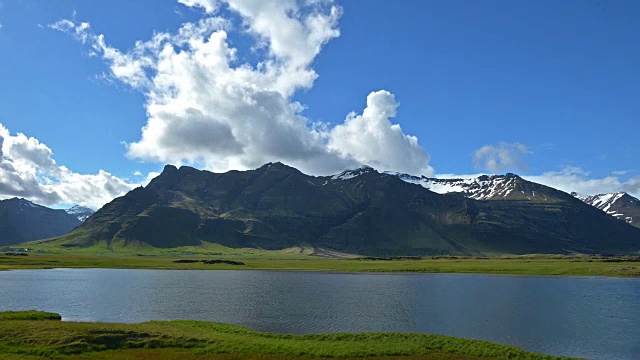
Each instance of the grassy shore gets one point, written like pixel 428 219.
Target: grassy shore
pixel 530 265
pixel 22 337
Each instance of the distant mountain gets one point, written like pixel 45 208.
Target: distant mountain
pixel 22 220
pixel 358 211
pixel 80 212
pixel 512 187
pixel 619 205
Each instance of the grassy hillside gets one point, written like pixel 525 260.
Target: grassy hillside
pixel 186 340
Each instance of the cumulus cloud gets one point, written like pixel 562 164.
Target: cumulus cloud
pixel 208 109
pixel 501 157
pixel 372 138
pixel 28 170
pixel 574 179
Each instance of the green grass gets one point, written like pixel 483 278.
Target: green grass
pixel 119 248
pixel 28 315
pixel 184 339
pixel 531 265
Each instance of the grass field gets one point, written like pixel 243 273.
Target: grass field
pixel 526 265
pixel 21 337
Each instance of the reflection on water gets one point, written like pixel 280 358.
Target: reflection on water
pixel 576 316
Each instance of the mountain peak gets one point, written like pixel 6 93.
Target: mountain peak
pixel 619 205
pixel 82 213
pixel 169 169
pixel 22 202
pixel 350 174
pixel 276 166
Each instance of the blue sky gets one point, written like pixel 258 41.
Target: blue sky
pixel 543 88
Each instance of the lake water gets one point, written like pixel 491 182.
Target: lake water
pixel 591 317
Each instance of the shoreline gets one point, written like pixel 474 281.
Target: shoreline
pixel 322 271
pixel 189 339
pixel 536 266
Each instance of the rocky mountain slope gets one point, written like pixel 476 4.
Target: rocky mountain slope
pixel 360 211
pixel 80 212
pixel 488 187
pixel 619 205
pixel 511 187
pixel 22 220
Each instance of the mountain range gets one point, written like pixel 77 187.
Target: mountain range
pixel 359 211
pixel 22 220
pixel 505 187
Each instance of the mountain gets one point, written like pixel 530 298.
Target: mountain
pixel 358 211
pixel 511 187
pixel 619 205
pixel 488 187
pixel 80 212
pixel 22 220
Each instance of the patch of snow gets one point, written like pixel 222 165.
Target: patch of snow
pixel 350 174
pixel 478 188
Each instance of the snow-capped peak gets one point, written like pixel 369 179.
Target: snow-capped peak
pixel 350 174
pixel 619 205
pixel 81 212
pixel 483 187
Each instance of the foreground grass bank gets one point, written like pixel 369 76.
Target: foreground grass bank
pixel 516 265
pixel 21 337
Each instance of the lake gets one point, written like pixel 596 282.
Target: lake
pixel 591 317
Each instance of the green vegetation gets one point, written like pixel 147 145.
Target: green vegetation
pixel 28 315
pixel 185 340
pixel 523 265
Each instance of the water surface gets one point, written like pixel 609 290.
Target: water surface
pixel 591 317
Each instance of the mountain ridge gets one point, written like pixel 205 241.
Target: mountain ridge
pixel 21 221
pixel 620 205
pixel 360 211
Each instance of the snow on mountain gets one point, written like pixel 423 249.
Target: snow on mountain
pixel 619 205
pixel 22 203
pixel 512 187
pixel 350 174
pixel 81 212
pixel 484 187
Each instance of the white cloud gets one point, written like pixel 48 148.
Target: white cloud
pixel 372 138
pixel 572 179
pixel 150 176
pixel 27 169
pixel 205 108
pixel 209 6
pixel 501 157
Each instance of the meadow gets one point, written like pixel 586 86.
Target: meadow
pixel 37 335
pixel 521 265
